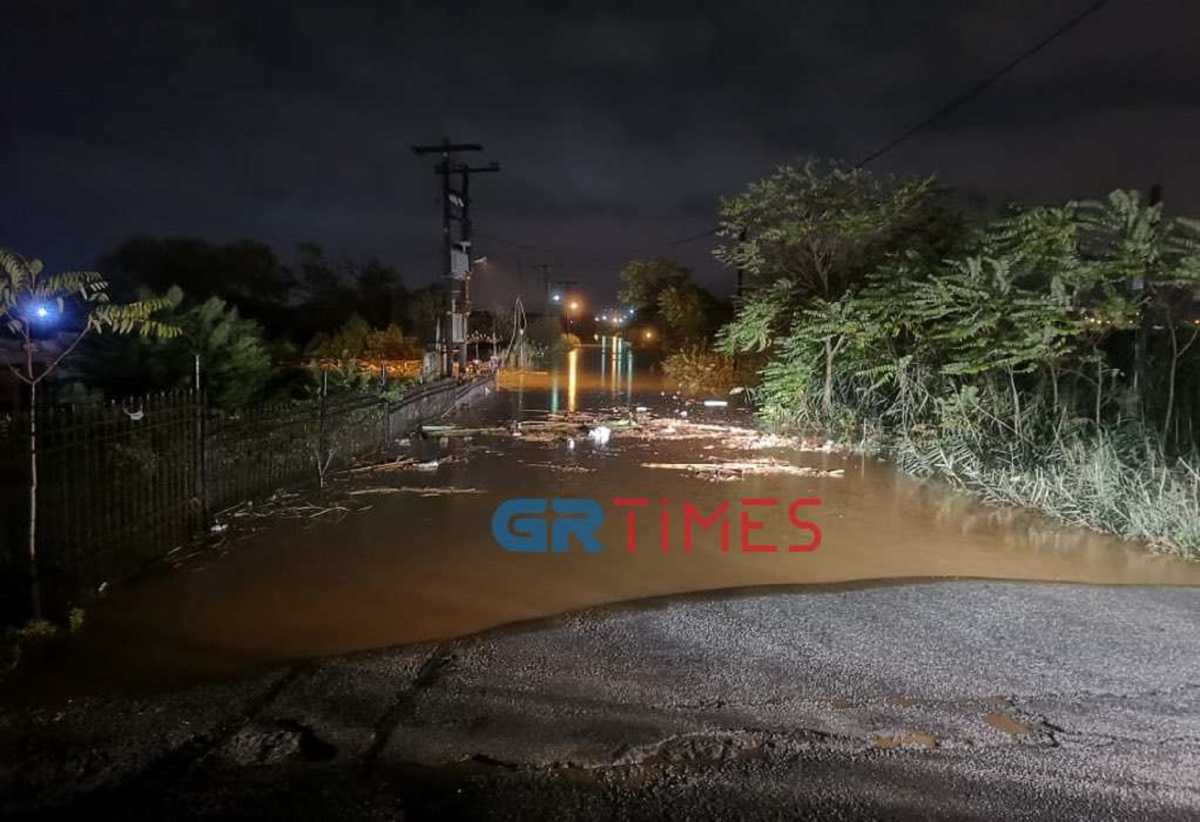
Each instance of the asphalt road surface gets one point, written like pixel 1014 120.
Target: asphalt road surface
pixel 952 699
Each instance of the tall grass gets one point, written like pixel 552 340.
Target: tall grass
pixel 1098 481
pixel 1116 478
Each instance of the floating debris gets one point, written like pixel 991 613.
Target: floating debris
pixel 724 471
pixel 401 464
pixel 600 434
pixel 474 432
pixel 430 491
pixel 715 403
pixel 566 469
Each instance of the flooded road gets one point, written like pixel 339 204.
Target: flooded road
pixel 427 568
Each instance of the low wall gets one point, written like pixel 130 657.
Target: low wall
pixel 435 400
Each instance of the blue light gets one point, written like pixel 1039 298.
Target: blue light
pixel 39 312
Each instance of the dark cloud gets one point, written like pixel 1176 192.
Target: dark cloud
pixel 619 127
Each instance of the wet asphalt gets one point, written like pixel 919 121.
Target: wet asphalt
pixel 951 699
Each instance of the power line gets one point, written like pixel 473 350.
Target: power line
pixel 984 84
pixel 956 102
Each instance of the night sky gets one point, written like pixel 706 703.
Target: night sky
pixel 618 128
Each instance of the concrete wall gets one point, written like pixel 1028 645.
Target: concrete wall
pixel 432 401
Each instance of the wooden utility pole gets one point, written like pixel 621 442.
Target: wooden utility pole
pixel 456 207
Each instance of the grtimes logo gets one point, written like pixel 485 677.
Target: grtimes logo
pixel 538 525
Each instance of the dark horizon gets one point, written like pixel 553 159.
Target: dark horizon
pixel 618 133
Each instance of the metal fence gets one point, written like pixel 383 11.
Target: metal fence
pixel 123 483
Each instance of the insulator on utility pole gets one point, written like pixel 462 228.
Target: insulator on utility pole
pixel 456 208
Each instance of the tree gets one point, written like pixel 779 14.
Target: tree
pixel 1149 264
pixel 29 303
pixel 391 343
pixel 381 293
pixel 245 273
pixel 662 291
pixel 813 232
pixel 226 351
pixel 426 308
pixel 642 281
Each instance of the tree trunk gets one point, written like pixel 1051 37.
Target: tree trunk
pixel 1012 381
pixel 35 589
pixel 827 396
pixel 1176 355
pixel 1170 382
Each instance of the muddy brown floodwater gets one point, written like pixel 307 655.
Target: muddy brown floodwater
pixel 424 568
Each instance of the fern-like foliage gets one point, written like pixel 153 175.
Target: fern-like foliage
pixel 79 297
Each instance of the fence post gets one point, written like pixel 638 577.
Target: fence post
pixel 387 422
pixel 199 431
pixel 321 428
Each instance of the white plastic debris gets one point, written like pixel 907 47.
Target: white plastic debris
pixel 683 413
pixel 641 409
pixel 737 389
pixel 715 403
pixel 600 434
pixel 432 465
pixel 404 443
pixel 570 443
pixel 218 528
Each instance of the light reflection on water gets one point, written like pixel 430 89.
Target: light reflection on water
pixel 416 569
pixel 603 369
